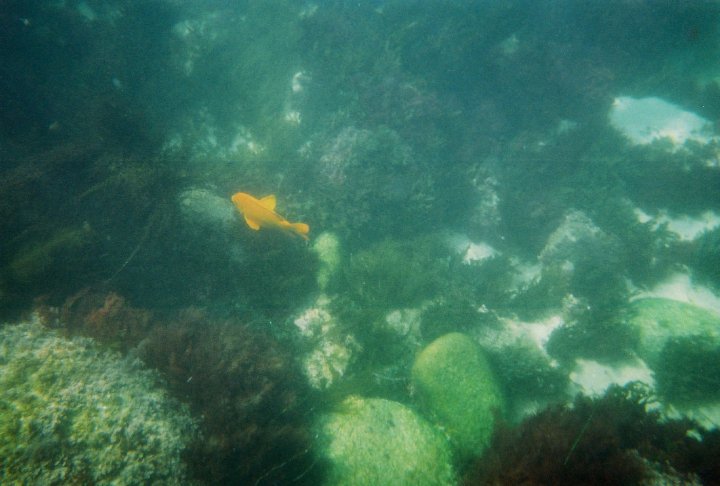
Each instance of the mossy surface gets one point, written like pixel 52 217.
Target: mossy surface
pixel 71 414
pixel 375 441
pixel 456 386
pixel 658 320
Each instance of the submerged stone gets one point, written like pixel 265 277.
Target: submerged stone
pixel 660 320
pixel 455 385
pixel 71 413
pixel 376 441
pixel 681 343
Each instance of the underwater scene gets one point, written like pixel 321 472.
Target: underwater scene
pixel 357 243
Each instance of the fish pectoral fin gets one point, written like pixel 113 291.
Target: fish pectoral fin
pixel 252 223
pixel 268 202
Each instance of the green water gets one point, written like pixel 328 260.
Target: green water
pixel 513 206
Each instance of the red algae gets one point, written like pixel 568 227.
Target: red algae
pixel 610 440
pixel 241 383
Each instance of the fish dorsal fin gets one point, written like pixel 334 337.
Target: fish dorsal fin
pixel 253 224
pixel 268 202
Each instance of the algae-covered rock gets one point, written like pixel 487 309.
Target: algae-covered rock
pixel 72 414
pixel 456 386
pixel 660 320
pixel 208 227
pixel 201 207
pixel 376 441
pixel 681 343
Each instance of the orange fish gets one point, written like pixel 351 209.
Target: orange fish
pixel 260 213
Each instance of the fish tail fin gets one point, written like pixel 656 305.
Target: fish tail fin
pixel 301 229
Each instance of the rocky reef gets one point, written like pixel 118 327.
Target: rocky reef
pixel 241 384
pixel 71 413
pixel 496 190
pixel 681 343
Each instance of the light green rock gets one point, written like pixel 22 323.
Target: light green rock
pixel 380 442
pixel 658 320
pixel 71 413
pixel 455 385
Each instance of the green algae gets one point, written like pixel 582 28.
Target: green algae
pixel 376 441
pixel 457 388
pixel 72 414
pixel 658 320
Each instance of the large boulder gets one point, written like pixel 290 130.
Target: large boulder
pixel 71 413
pixel 375 441
pixel 457 388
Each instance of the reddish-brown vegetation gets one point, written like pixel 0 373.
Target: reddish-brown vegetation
pixel 611 440
pixel 241 384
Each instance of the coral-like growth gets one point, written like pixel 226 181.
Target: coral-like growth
pixel 72 414
pixel 249 394
pixel 611 440
pixel 330 349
